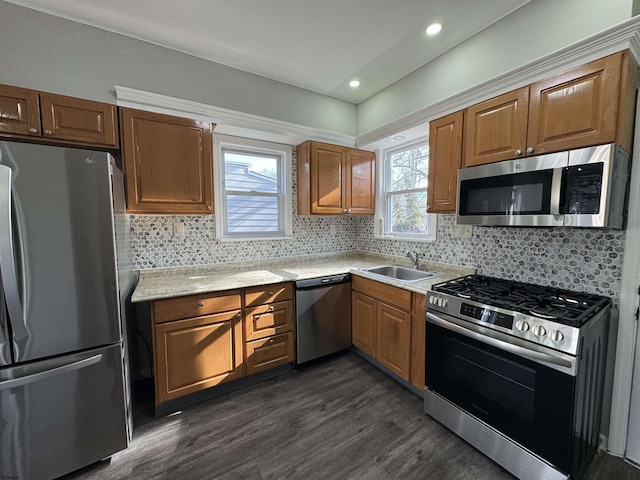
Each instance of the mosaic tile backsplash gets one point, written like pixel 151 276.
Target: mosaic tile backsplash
pixel 577 259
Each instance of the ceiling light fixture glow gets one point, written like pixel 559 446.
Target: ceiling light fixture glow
pixel 354 83
pixel 434 28
pixel 398 138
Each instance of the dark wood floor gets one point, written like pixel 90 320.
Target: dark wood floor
pixel 342 419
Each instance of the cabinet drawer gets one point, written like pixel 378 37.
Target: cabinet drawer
pixel 269 352
pixel 195 305
pixel 268 293
pixel 388 294
pixel 267 320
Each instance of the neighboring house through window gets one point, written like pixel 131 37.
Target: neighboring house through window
pixel 252 189
pixel 402 209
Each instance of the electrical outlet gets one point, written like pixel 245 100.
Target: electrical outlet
pixel 332 229
pixel 464 231
pixel 178 229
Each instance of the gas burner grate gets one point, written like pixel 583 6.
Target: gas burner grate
pixel 563 306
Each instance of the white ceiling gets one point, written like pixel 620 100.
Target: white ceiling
pixel 319 45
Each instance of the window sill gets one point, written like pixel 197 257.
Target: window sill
pixel 408 238
pixel 251 239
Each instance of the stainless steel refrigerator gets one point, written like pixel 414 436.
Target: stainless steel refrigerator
pixel 65 276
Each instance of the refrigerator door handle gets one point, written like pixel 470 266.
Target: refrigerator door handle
pixel 7 258
pixel 48 373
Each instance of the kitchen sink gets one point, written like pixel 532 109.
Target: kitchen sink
pixel 401 273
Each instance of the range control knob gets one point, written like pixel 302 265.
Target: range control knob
pixel 445 302
pixel 522 326
pixel 556 336
pixel 539 331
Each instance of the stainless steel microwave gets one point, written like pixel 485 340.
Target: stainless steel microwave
pixel 576 188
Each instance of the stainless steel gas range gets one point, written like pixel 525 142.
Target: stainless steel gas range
pixel 517 370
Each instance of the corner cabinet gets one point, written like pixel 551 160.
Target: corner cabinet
pixel 381 324
pixel 168 163
pixel 56 118
pixel 197 342
pixel 335 180
pixel 445 158
pixel 589 105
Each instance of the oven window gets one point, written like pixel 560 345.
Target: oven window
pixel 517 194
pixel 495 378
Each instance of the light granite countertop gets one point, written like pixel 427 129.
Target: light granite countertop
pixel 155 284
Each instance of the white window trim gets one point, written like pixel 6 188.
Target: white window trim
pixel 381 204
pixel 259 147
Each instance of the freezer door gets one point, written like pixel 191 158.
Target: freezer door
pixel 62 414
pixel 62 234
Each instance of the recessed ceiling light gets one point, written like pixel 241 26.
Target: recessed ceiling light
pixel 398 137
pixel 354 83
pixel 434 28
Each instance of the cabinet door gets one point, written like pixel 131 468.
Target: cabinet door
pixel 363 323
pixel 394 339
pixel 78 120
pixel 198 353
pixel 418 340
pixel 576 109
pixel 445 156
pixel 269 352
pixel 360 182
pixel 326 173
pixel 168 162
pixel 496 129
pixel 19 111
pixel 267 320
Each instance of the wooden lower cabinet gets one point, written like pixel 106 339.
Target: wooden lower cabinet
pixel 381 324
pixel 197 353
pixel 418 340
pixel 363 323
pixel 269 352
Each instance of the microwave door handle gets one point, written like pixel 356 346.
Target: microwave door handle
pixel 538 357
pixel 556 191
pixel 7 258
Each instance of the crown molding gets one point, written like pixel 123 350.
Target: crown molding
pixel 622 36
pixel 229 122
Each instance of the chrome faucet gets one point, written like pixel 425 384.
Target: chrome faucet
pixel 415 258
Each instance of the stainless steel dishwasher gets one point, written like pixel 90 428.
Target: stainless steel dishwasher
pixel 323 316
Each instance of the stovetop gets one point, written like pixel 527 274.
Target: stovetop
pixel 560 306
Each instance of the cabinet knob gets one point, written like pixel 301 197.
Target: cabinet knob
pixel 238 315
pixel 271 340
pixel 209 207
pixel 47 132
pixel 270 294
pixel 270 309
pixel 349 210
pixel 33 130
pixel 530 150
pixel 518 152
pixel 201 304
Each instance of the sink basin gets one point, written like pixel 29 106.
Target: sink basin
pixel 401 273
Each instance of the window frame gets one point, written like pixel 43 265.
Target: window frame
pixel 284 194
pixel 383 219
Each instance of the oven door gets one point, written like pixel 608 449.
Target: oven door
pixel 517 192
pixel 525 395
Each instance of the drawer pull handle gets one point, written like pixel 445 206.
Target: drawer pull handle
pixel 270 309
pixel 270 294
pixel 201 304
pixel 271 341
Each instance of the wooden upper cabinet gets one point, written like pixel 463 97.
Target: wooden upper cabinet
pixel 582 107
pixel 335 180
pixel 57 118
pixel 589 105
pixel 19 111
pixel 360 181
pixel 168 163
pixel 445 157
pixel 496 129
pixel 327 192
pixel 78 120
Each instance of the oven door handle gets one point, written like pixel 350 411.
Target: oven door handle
pixel 553 361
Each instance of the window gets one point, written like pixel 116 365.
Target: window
pixel 403 194
pixel 252 189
